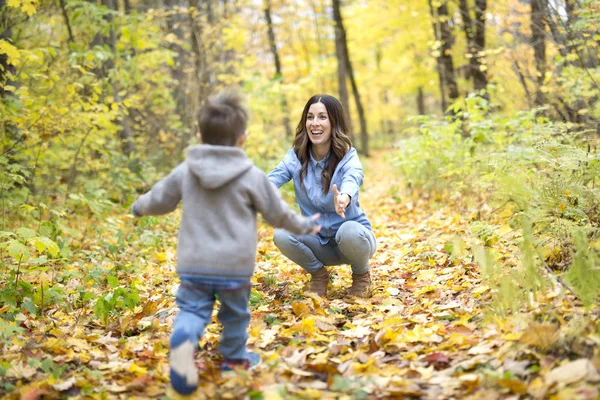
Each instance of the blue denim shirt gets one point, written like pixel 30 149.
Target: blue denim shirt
pixel 348 176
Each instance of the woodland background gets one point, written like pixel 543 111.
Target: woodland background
pixel 491 108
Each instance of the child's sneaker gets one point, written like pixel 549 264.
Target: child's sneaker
pixel 184 375
pixel 229 365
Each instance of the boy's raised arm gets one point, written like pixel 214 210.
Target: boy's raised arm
pixel 276 212
pixel 163 197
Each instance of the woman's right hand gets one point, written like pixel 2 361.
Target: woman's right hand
pixel 316 227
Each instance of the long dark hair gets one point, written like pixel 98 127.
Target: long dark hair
pixel 340 142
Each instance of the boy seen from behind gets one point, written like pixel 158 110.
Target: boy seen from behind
pixel 221 191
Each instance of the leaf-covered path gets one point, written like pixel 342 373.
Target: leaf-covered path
pixel 424 334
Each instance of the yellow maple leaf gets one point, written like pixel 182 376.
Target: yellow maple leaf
pixel 136 369
pixel 300 309
pixel 12 53
pixel 27 6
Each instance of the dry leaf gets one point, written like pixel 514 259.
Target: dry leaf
pixel 21 371
pixel 538 335
pixel 514 385
pixel 572 372
pixel 301 310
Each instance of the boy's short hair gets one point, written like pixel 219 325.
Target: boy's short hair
pixel 224 118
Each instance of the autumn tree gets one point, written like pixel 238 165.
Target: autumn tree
pixel 538 42
pixel 345 63
pixel 278 72
pixel 444 41
pixel 474 29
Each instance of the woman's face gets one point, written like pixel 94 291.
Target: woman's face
pixel 318 125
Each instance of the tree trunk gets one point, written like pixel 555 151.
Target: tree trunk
pixel 559 38
pixel 439 63
pixel 479 67
pixel 475 34
pixel 126 133
pixel 201 73
pixel 175 24
pixel 420 101
pixel 539 47
pixel 447 41
pixel 63 8
pixel 342 68
pixel 364 135
pixel 278 72
pixel 386 123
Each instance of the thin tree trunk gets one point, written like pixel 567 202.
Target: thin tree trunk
pixel 342 68
pixel 175 22
pixel 539 47
pixel 201 80
pixel 420 101
pixel 364 134
pixel 589 62
pixel 469 34
pixel 278 72
pixel 523 81
pixel 126 134
pixel 386 122
pixel 439 63
pixel 571 19
pixel 67 23
pixel 559 38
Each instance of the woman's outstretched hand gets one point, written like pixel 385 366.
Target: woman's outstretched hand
pixel 341 201
pixel 316 227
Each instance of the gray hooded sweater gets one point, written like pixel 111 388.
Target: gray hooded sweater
pixel 221 191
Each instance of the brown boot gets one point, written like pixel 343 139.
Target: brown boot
pixel 361 285
pixel 319 281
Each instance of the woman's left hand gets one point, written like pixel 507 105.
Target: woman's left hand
pixel 341 201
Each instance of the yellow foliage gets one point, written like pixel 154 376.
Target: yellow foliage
pixel 26 6
pixel 12 53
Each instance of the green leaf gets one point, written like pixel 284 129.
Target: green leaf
pixel 112 281
pixel 341 384
pixel 26 233
pixel 42 243
pixel 6 234
pixel 18 250
pixel 30 306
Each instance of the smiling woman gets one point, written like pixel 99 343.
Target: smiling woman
pixel 327 176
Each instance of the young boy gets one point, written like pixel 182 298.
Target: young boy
pixel 221 191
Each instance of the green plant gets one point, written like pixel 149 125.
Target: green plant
pixel 116 301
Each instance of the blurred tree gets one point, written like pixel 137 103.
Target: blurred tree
pixel 474 29
pixel 278 73
pixel 538 41
pixel 445 64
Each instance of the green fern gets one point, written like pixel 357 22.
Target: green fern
pixel 584 273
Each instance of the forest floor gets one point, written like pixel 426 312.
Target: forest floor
pixel 426 333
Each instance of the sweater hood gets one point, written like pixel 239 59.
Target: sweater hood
pixel 216 166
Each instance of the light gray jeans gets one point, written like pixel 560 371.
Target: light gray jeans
pixel 354 244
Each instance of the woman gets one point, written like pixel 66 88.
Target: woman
pixel 327 175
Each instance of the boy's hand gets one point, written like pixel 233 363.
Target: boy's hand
pixel 316 227
pixel 341 201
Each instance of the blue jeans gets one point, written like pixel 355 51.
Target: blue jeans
pixel 354 244
pixel 196 305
